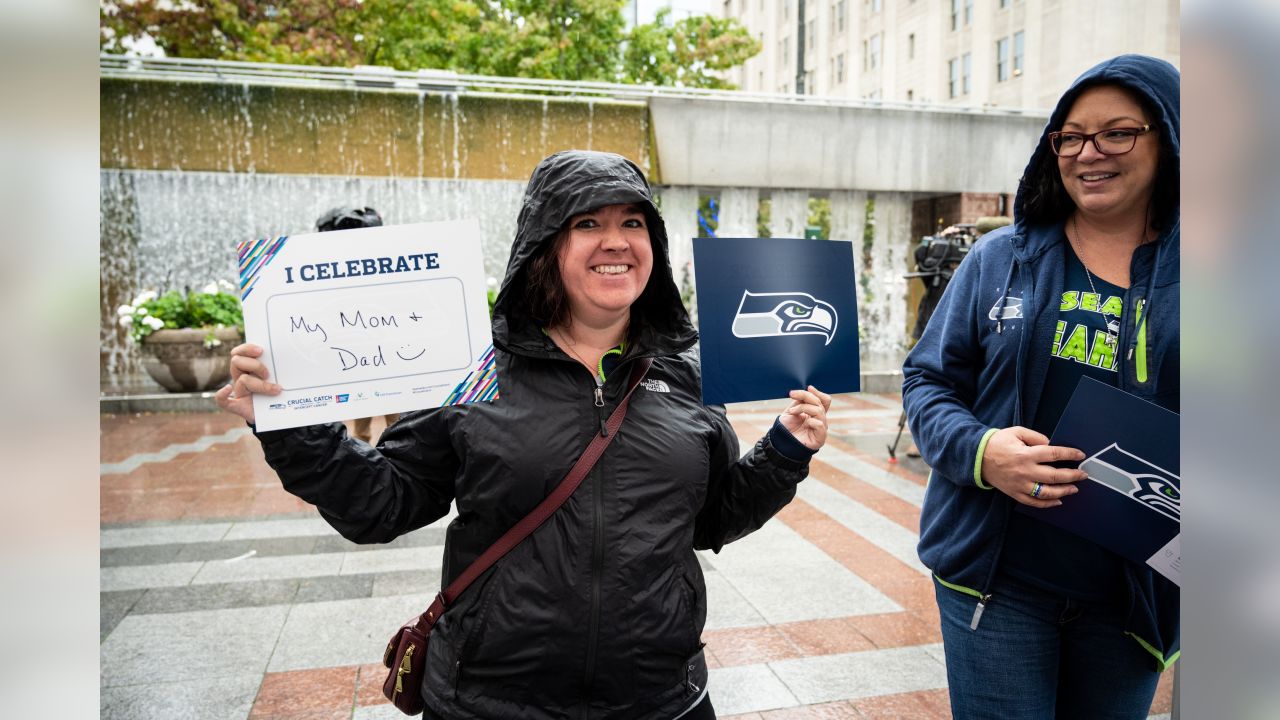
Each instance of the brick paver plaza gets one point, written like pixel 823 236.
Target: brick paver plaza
pixel 222 596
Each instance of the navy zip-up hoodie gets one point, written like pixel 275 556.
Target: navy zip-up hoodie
pixel 981 365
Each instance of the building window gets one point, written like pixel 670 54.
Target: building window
pixel 1019 46
pixel 786 9
pixel 953 77
pixel 1004 4
pixel 760 81
pixel 809 83
pixel 1002 59
pixel 840 68
pixel 911 46
pixel 955 14
pixel 911 95
pixel 786 51
pixel 813 34
pixel 875 51
pixel 968 12
pixel 840 15
pixel 967 72
pixel 877 5
pixel 866 55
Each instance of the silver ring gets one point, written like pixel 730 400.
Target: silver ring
pixel 1035 490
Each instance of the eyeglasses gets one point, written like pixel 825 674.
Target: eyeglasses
pixel 1113 141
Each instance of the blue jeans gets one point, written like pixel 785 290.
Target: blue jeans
pixel 1039 655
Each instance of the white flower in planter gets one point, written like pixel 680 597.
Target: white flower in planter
pixel 210 289
pixel 126 321
pixel 153 321
pixel 145 297
pixel 211 343
pixel 124 310
pixel 143 311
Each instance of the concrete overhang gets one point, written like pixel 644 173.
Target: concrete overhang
pixel 718 143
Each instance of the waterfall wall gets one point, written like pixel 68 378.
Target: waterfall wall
pixel 191 168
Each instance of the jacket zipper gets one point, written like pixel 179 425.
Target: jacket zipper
pixel 604 431
pixel 597 557
pixel 977 611
pixel 1140 369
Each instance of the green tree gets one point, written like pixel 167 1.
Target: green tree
pixel 563 39
pixel 303 32
pixel 688 52
pixel 553 39
pixel 444 34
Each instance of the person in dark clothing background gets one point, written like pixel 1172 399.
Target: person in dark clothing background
pixel 599 613
pixel 350 218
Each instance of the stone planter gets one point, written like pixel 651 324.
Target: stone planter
pixel 178 360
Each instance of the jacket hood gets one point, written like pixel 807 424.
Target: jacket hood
pixel 567 184
pixel 1155 80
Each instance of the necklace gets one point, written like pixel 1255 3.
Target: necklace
pixel 569 346
pixel 1113 326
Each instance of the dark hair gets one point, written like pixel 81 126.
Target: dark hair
pixel 542 292
pixel 1047 200
pixel 348 218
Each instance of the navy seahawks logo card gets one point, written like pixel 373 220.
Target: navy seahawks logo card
pixel 775 315
pixel 1131 503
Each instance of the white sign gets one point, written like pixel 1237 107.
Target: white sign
pixel 366 322
pixel 1168 560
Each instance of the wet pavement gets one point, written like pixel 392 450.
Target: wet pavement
pixel 222 596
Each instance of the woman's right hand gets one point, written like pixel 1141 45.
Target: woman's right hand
pixel 248 376
pixel 1013 463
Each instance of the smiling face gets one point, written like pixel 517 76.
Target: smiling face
pixel 605 262
pixel 1109 186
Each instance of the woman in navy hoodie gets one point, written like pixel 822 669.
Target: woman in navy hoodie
pixel 1037 622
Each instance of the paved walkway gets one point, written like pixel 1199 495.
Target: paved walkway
pixel 225 597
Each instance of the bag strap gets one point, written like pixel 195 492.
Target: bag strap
pixel 544 510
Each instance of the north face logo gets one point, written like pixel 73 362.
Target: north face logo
pixel 655 386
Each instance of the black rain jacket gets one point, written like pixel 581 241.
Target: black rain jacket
pixel 599 613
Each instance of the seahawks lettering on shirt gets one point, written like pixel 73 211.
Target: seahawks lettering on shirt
pixel 1083 319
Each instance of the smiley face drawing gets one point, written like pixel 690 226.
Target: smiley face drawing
pixel 411 356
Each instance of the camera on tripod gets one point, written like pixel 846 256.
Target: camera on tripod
pixel 937 256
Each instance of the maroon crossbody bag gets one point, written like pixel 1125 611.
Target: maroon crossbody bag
pixel 405 655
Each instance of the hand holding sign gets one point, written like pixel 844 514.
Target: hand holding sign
pixel 806 418
pixel 1014 462
pixel 248 377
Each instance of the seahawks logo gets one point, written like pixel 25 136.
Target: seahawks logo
pixel 782 314
pixel 1128 474
pixel 1007 308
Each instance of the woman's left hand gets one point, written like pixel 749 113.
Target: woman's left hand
pixel 806 418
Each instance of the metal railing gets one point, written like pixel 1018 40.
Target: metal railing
pixel 447 82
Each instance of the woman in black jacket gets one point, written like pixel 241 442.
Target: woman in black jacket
pixel 599 613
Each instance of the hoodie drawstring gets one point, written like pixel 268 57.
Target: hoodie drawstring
pixel 1004 298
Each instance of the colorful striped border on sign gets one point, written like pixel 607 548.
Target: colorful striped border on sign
pixel 254 255
pixel 480 384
